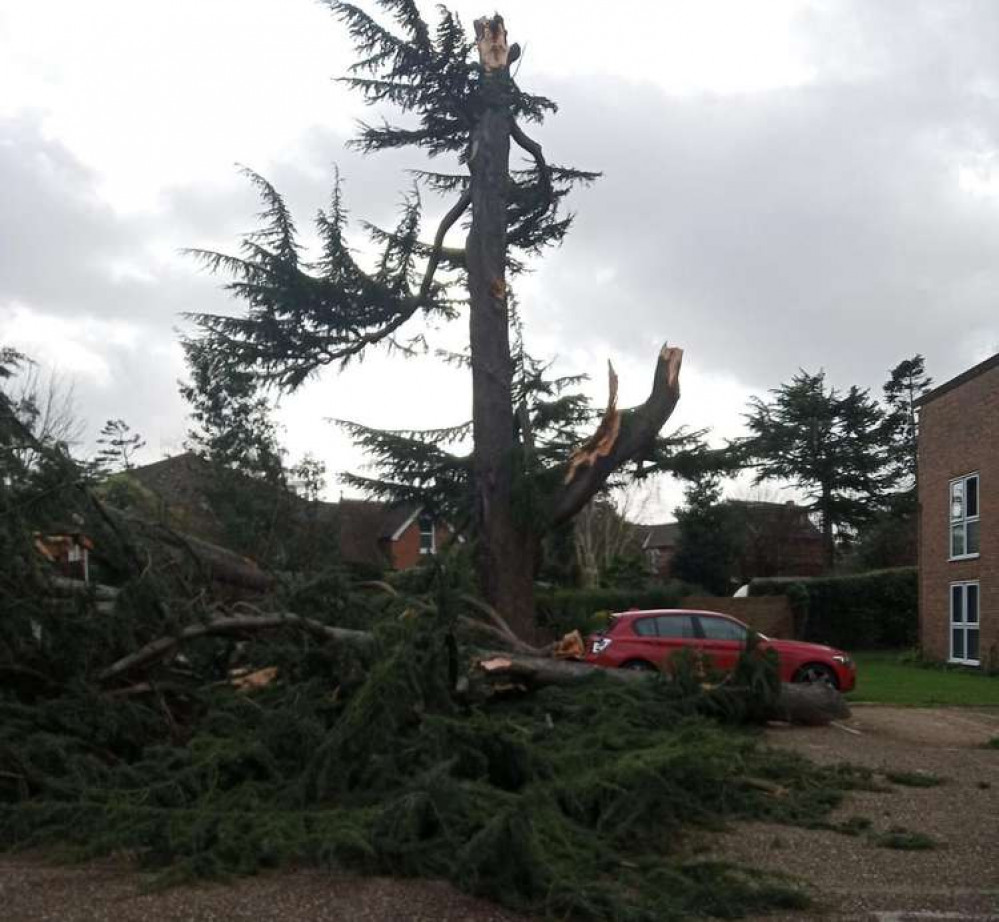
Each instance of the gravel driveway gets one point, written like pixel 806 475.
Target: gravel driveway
pixel 849 876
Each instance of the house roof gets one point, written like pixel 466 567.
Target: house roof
pixel 962 378
pixel 183 484
pixel 396 519
pixel 361 526
pixel 663 535
pixel 789 517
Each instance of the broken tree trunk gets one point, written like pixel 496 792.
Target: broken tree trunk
pixel 505 549
pixel 498 672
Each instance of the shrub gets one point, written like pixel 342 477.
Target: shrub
pixel 872 610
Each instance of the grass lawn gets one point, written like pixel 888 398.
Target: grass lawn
pixel 881 678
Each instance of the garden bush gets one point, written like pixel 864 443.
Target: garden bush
pixel 876 610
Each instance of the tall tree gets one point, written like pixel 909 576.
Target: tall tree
pixel 827 443
pixel 305 315
pixel 891 538
pixel 906 383
pixel 118 445
pixel 708 539
pixel 233 426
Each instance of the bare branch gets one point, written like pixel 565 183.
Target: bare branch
pixel 534 149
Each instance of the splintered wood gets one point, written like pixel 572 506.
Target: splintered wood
pixel 602 442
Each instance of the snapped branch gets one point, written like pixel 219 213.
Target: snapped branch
pixel 621 436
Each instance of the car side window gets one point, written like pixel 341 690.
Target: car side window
pixel 679 627
pixel 645 627
pixel 722 629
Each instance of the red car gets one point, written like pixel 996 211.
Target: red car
pixel 645 639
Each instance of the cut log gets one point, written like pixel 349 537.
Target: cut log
pixel 814 705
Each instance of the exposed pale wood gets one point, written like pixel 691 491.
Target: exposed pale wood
pixel 490 37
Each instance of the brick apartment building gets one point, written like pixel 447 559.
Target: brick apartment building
pixel 959 518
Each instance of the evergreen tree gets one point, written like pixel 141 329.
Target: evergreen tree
pixel 234 434
pixel 306 314
pixel 829 444
pixel 891 538
pixel 709 537
pixel 118 446
pixel 309 477
pixel 12 466
pixel 906 383
pixel 233 425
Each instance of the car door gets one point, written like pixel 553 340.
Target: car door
pixel 674 632
pixel 723 640
pixel 643 641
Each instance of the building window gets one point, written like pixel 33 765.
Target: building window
pixel 427 538
pixel 964 517
pixel 964 623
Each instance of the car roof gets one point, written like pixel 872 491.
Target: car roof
pixel 641 613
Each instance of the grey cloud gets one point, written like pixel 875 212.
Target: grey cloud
pixel 819 225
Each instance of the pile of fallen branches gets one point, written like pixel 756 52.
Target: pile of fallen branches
pixel 362 727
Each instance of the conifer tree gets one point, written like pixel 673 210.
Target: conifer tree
pixel 709 537
pixel 828 443
pixel 118 445
pixel 906 383
pixel 306 314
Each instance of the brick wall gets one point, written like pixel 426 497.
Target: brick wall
pixel 959 434
pixel 768 614
pixel 406 550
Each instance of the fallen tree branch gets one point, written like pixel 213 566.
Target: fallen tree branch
pixel 498 671
pixel 215 562
pixel 157 650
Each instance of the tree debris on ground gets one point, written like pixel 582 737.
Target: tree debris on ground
pixel 366 727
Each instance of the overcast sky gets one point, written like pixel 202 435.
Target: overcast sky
pixel 786 184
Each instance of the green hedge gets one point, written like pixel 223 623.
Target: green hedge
pixel 876 610
pixel 560 611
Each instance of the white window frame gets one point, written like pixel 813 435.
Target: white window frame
pixel 963 520
pixel 433 534
pixel 964 624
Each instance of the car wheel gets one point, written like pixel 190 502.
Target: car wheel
pixel 639 665
pixel 817 674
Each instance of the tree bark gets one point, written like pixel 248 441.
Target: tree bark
pixel 503 671
pixel 505 549
pixel 828 542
